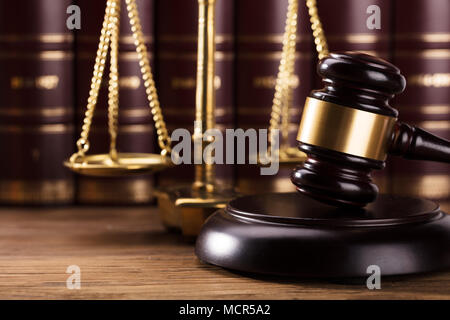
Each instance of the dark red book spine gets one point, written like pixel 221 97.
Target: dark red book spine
pixel 176 37
pixel 345 23
pixel 36 102
pixel 422 52
pixel 260 26
pixel 136 129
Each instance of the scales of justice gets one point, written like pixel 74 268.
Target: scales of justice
pixel 336 225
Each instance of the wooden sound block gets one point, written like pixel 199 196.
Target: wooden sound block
pixel 292 235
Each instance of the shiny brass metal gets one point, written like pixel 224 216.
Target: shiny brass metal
pixel 316 27
pixel 205 99
pixel 124 164
pixel 348 130
pixel 184 207
pixel 114 163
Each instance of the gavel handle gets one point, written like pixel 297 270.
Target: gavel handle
pixel 415 143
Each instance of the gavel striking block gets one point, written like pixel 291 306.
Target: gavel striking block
pixel 348 129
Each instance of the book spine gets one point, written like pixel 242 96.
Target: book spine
pixel 345 23
pixel 36 105
pixel 260 26
pixel 422 52
pixel 136 129
pixel 176 37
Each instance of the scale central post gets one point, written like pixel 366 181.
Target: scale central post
pixel 186 207
pixel 205 94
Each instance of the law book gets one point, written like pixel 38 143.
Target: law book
pixel 422 52
pixel 358 25
pixel 136 130
pixel 36 102
pixel 260 25
pixel 176 41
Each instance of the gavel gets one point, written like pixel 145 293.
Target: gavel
pixel 348 129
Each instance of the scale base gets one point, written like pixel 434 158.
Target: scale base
pixel 184 209
pixel 288 234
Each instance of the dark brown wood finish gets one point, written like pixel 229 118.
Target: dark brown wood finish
pixel 366 83
pixel 415 143
pixel 125 253
pixel 292 235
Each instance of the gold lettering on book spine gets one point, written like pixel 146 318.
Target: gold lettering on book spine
pixel 138 190
pixel 130 82
pixel 190 82
pixel 269 82
pixel 36 111
pixel 436 80
pixel 56 38
pixel 45 82
pixel 32 192
pixel 41 55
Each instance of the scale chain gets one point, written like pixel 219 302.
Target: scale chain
pixel 282 100
pixel 288 86
pixel 113 89
pixel 150 89
pixel 316 26
pixel 109 38
pixel 99 67
pixel 283 87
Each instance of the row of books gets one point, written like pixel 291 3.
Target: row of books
pixel 45 72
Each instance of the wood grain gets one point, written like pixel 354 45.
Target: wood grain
pixel 125 253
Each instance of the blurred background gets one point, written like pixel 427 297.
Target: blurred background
pixel 45 72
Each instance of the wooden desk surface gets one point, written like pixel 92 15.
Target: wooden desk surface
pixel 125 253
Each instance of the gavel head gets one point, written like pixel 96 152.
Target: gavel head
pixel 346 128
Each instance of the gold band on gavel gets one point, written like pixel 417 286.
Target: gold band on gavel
pixel 343 129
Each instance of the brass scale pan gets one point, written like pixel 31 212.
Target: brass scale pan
pixel 120 164
pixel 125 164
